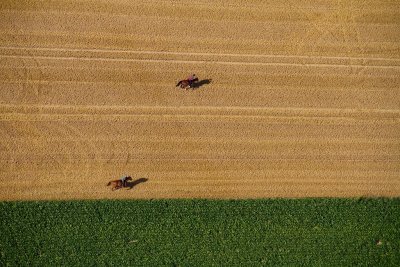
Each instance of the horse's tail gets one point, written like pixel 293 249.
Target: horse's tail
pixel 109 183
pixel 179 83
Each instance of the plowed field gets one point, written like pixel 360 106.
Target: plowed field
pixel 295 98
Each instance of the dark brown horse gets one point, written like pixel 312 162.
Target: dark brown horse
pixel 117 184
pixel 186 83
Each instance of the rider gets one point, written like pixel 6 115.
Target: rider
pixel 123 180
pixel 190 79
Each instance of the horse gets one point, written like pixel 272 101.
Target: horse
pixel 186 83
pixel 117 184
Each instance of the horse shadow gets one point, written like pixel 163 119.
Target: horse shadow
pixel 131 184
pixel 199 84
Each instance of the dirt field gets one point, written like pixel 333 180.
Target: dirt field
pixel 296 98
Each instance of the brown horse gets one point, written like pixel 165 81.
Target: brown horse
pixel 117 184
pixel 186 83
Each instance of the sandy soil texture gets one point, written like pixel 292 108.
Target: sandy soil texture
pixel 296 98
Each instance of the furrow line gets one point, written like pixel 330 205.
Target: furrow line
pixel 201 58
pixel 203 62
pixel 191 53
pixel 231 111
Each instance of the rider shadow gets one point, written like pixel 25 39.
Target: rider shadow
pixel 132 184
pixel 199 84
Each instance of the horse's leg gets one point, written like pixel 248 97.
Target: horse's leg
pixel 185 84
pixel 120 185
pixel 115 186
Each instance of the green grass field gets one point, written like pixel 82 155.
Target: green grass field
pixel 307 232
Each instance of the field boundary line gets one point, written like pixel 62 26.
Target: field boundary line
pixel 319 158
pixel 207 58
pixel 184 53
pixel 204 62
pixel 224 4
pixel 201 111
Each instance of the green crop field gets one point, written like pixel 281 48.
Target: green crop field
pixel 307 232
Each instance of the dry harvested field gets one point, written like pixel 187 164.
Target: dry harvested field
pixel 298 98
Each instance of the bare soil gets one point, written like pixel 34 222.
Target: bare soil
pixel 295 98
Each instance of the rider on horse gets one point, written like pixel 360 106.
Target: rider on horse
pixel 190 79
pixel 123 180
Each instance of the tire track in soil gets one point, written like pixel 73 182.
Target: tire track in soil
pixel 183 54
